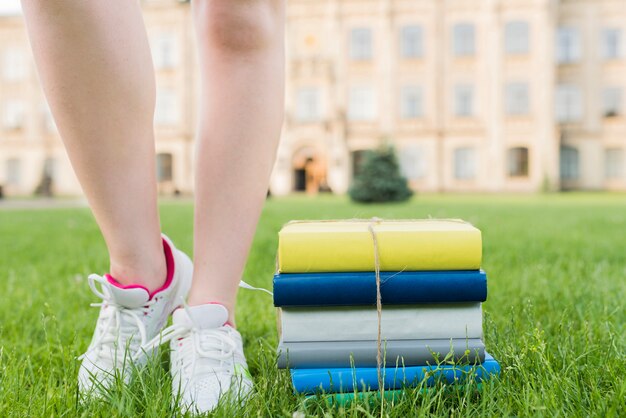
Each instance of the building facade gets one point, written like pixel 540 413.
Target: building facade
pixel 32 156
pixel 475 95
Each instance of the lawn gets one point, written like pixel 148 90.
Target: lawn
pixel 555 316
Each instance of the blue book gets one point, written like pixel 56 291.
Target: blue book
pixel 342 380
pixel 359 288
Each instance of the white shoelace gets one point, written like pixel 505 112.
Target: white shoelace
pixel 245 285
pixel 211 344
pixel 176 331
pixel 215 345
pixel 129 324
pixel 118 327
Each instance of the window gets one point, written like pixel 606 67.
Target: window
pixel 166 112
pixel 411 102
pixel 361 44
pixel 411 41
pixel 14 172
pixel 614 163
pixel 14 115
pixel 14 65
pixel 362 104
pixel 464 100
pixel 516 37
pixel 464 163
pixel 164 50
pixel 612 102
pixel 463 35
pixel 569 163
pixel 517 100
pixel 308 104
pixel 164 162
pixel 569 103
pixel 517 162
pixel 412 162
pixel 568 48
pixel 611 43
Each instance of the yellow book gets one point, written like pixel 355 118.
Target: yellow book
pixel 336 246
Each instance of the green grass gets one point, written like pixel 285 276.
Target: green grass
pixel 555 317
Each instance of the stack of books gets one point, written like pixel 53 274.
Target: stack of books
pixel 431 289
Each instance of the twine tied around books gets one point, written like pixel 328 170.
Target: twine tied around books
pixel 379 305
pixel 372 222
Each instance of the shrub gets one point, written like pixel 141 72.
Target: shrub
pixel 379 179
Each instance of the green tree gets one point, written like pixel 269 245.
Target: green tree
pixel 379 179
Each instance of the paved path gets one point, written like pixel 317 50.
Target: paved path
pixel 42 203
pixel 68 202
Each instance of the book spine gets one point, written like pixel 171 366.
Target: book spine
pixel 359 288
pixel 399 322
pixel 305 355
pixel 342 380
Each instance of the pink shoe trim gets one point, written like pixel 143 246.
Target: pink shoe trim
pixel 169 264
pixel 112 280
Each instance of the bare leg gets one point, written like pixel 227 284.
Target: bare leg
pixel 241 59
pixel 94 62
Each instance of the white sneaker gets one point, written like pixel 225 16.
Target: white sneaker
pixel 130 316
pixel 207 360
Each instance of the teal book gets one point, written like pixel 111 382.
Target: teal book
pixel 396 395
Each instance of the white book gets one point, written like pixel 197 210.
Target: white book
pixel 399 322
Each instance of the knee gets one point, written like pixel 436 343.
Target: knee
pixel 239 26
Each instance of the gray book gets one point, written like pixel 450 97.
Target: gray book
pixel 315 354
pixel 398 322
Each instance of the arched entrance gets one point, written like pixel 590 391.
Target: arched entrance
pixel 309 171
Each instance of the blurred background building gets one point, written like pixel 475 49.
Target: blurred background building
pixel 475 95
